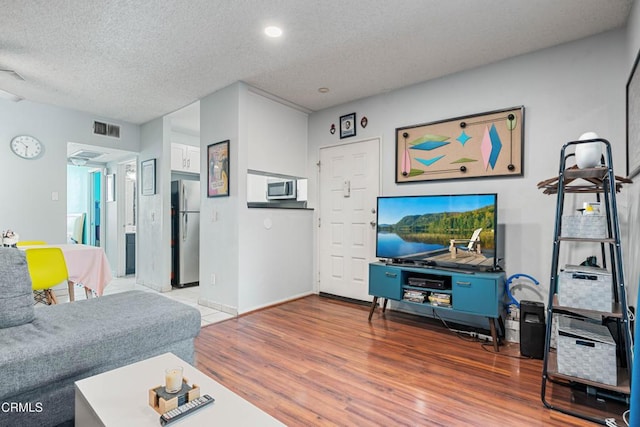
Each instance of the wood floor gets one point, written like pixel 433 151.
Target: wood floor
pixel 318 361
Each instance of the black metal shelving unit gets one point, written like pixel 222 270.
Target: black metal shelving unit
pixel 602 182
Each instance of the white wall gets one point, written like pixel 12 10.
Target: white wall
pixel 277 137
pixel 184 138
pixel 276 245
pixel 153 231
pixel 566 90
pixel 258 256
pixel 276 256
pixel 27 185
pixel 219 253
pixel 77 189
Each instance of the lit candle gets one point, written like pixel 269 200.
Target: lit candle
pixel 173 380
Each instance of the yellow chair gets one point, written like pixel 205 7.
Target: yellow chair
pixel 47 269
pixel 31 243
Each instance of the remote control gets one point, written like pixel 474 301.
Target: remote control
pixel 186 409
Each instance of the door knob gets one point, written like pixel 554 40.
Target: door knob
pixel 373 224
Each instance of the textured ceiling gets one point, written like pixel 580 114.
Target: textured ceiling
pixel 139 60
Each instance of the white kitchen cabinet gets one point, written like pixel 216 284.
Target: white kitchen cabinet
pixel 185 158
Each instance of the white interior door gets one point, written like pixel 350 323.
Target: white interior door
pixel 349 185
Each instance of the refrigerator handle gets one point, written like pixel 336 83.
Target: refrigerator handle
pixel 184 198
pixel 184 226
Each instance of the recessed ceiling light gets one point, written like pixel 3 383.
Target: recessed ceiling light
pixel 78 161
pixel 323 89
pixel 273 31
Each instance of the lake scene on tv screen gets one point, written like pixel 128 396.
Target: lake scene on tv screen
pixel 419 226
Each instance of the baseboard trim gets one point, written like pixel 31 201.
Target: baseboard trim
pixel 276 303
pixel 217 306
pixel 345 299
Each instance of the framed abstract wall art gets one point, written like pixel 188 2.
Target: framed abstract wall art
pixel 218 169
pixel 480 145
pixel 633 122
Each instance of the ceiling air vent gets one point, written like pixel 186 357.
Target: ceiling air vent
pixel 87 154
pixel 106 129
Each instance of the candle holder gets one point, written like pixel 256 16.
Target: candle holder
pixel 173 379
pixel 162 401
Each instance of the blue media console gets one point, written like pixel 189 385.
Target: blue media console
pixel 470 292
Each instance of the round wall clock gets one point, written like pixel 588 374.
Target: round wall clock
pixel 26 147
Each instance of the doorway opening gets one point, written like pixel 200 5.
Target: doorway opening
pixel 130 215
pixel 78 203
pixel 96 207
pixel 100 182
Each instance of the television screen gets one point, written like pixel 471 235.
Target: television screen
pixel 448 230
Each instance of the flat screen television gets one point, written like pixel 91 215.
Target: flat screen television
pixel 438 230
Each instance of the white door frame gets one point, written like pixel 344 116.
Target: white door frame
pixel 316 286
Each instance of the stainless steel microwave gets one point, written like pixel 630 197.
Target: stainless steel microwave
pixel 281 190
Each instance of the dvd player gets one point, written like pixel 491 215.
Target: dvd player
pixel 423 282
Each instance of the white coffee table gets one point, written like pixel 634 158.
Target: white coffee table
pixel 121 398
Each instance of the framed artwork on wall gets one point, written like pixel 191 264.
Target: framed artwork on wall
pixel 476 146
pixel 347 125
pixel 218 169
pixel 633 121
pixel 149 177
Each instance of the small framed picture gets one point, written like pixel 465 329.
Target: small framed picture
pixel 149 177
pixel 348 125
pixel 218 169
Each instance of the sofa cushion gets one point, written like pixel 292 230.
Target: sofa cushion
pixel 16 296
pixel 72 340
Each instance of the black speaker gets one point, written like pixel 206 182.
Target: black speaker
pixel 532 329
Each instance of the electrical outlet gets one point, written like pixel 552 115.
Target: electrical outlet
pixel 486 338
pixel 213 278
pixel 477 335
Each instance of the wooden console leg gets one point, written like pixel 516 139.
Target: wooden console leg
pixel 373 307
pixel 501 331
pixel 494 334
pixel 384 304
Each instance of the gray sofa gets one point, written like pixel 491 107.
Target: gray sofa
pixel 42 358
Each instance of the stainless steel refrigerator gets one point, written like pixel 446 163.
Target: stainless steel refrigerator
pixel 185 233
